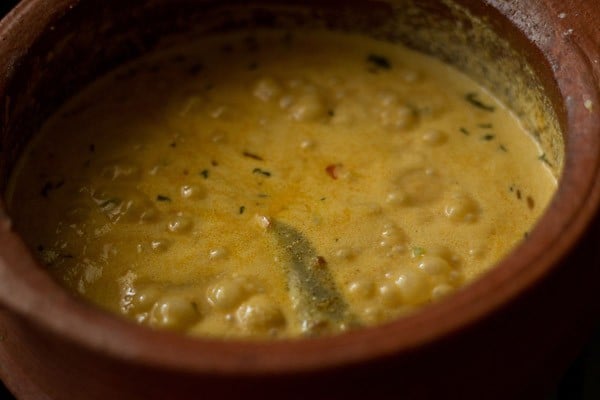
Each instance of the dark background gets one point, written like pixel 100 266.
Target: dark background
pixel 581 381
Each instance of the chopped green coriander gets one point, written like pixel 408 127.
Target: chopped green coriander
pixel 261 172
pixel 473 99
pixel 379 61
pixel 252 156
pixel 544 159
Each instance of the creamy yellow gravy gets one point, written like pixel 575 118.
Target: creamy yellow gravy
pixel 277 185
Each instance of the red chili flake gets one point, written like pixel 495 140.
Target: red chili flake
pixel 319 262
pixel 333 170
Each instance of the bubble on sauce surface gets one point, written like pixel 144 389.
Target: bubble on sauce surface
pixel 218 253
pixel 192 191
pixel 180 224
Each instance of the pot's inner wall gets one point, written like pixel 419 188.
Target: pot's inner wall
pixel 94 37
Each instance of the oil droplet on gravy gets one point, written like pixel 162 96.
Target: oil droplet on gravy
pixel 277 185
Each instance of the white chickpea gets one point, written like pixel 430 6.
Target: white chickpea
pixel 259 313
pixel 390 294
pixel 145 297
pixel 397 198
pixel 392 236
pixel 434 137
pixel 345 253
pixel 372 315
pixel 441 290
pixel 361 289
pixel 414 286
pixel 229 293
pixel 420 185
pixel 461 208
pixel 308 107
pixel 398 117
pixel 174 311
pixel 434 265
pixel 266 89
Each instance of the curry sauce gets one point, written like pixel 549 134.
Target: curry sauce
pixel 276 184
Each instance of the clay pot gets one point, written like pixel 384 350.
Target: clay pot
pixel 508 335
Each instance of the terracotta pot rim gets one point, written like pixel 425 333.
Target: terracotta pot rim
pixel 86 326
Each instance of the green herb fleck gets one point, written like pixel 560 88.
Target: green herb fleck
pixel 161 197
pixel 474 100
pixel 263 195
pixel 488 137
pixel 205 173
pixel 252 156
pixel 242 209
pixel 503 148
pixel 418 252
pixel 530 202
pixel 485 126
pixel 544 159
pixel 50 186
pixel 464 131
pixel 261 171
pixel 379 61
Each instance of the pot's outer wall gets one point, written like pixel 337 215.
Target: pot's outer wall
pixel 519 352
